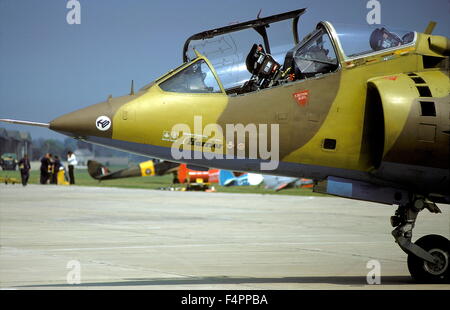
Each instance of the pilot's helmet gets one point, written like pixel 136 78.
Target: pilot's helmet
pixel 381 38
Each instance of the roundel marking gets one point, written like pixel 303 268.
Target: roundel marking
pixel 103 123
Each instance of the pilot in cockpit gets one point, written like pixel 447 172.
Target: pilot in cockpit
pixel 381 39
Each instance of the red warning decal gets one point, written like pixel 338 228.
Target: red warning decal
pixel 392 77
pixel 302 97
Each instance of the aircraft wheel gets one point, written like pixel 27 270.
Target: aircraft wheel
pixel 426 272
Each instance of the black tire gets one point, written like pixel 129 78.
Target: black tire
pixel 425 272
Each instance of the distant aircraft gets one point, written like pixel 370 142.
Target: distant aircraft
pixel 362 110
pixel 229 178
pixel 279 183
pixel 182 173
pixel 148 168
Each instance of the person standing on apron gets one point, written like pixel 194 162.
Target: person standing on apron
pixel 24 166
pixel 45 163
pixel 72 161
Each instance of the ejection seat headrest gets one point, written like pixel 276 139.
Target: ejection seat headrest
pixel 252 57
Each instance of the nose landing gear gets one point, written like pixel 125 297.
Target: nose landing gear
pixel 428 257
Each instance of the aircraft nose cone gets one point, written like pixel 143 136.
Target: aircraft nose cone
pixel 95 120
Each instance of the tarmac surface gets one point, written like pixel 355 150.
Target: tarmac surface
pixel 111 238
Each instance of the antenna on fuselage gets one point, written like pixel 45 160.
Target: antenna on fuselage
pixel 132 88
pixel 258 16
pixel 430 27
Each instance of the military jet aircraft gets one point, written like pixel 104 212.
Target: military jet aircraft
pixel 364 111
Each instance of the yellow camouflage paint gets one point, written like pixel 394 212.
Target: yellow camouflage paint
pixel 154 106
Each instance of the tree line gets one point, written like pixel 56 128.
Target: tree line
pixel 60 148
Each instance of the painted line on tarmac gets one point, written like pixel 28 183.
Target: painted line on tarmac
pixel 207 245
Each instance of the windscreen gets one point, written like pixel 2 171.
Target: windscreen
pixel 196 78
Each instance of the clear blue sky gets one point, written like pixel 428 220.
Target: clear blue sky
pixel 48 67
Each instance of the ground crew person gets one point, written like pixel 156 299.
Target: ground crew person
pixel 45 164
pixel 56 166
pixel 72 161
pixel 24 166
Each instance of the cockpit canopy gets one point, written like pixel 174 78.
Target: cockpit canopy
pixel 314 55
pixel 227 47
pixel 360 40
pixel 266 52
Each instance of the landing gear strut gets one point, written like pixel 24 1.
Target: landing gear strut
pixel 428 258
